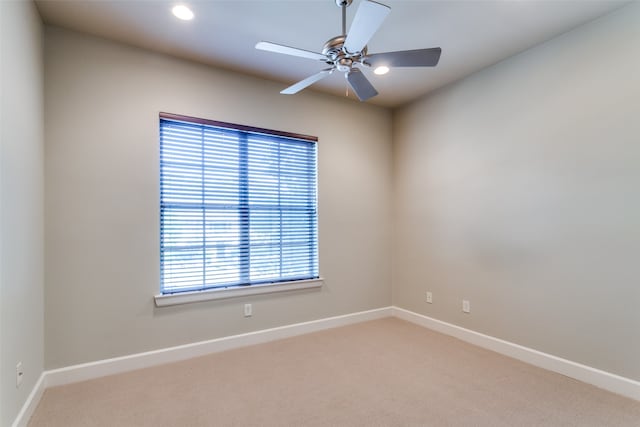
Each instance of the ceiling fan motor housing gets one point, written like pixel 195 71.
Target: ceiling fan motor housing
pixel 338 56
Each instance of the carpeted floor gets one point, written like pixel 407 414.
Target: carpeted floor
pixel 381 373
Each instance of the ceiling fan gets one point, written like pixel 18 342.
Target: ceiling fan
pixel 344 52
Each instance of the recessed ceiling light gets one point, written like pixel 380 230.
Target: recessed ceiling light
pixel 381 70
pixel 182 12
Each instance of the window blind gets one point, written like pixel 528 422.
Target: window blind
pixel 238 205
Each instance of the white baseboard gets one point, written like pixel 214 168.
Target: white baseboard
pixel 118 365
pixel 606 380
pixel 31 403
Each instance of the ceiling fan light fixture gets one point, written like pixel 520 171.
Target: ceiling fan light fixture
pixel 381 70
pixel 182 12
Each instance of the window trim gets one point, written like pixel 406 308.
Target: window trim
pixel 244 128
pixel 164 300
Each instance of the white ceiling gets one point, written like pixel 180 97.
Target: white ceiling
pixel 472 34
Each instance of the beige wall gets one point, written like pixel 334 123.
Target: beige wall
pixel 21 203
pixel 518 188
pixel 102 220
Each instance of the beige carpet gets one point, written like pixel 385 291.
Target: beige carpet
pixel 380 373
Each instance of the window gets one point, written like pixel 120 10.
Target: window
pixel 237 205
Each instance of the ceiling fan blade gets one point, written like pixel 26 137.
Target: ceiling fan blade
pixel 360 85
pixel 306 82
pixel 405 58
pixel 368 19
pixel 279 48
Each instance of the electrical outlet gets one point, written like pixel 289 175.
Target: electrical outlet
pixel 248 310
pixel 19 374
pixel 466 306
pixel 429 297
